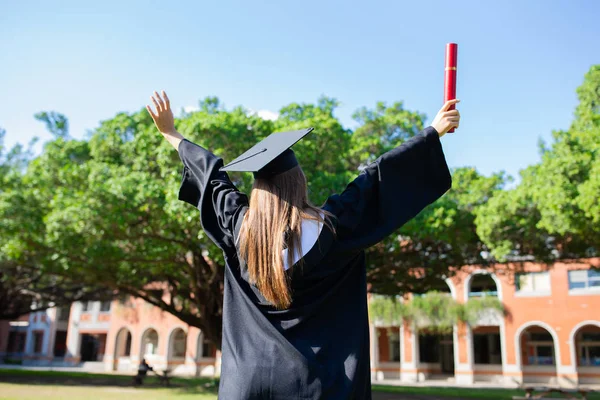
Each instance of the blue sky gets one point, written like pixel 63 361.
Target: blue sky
pixel 519 62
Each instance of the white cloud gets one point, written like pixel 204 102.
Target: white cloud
pixel 268 115
pixel 189 109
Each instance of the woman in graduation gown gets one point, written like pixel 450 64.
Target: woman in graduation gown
pixel 295 319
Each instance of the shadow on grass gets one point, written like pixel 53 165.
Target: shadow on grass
pixel 67 378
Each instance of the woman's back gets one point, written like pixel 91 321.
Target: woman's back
pixel 308 351
pixel 317 345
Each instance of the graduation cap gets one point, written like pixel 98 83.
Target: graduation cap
pixel 271 156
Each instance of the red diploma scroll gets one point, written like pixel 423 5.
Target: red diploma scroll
pixel 450 74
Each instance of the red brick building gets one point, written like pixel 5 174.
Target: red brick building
pixel 550 334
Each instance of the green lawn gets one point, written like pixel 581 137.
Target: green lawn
pixel 452 392
pixel 14 391
pixel 23 385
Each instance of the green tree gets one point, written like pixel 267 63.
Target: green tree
pixel 442 235
pixel 555 210
pixel 56 123
pixel 25 286
pixel 103 212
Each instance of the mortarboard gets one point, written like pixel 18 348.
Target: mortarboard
pixel 269 157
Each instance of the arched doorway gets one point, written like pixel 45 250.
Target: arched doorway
pixel 538 354
pixel 149 345
pixel 122 356
pixel 585 342
pixel 177 348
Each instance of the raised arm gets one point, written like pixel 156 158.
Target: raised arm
pixel 163 119
pixel 394 188
pixel 203 184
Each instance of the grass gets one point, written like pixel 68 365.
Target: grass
pixel 461 393
pixel 466 393
pixel 94 379
pixel 31 384
pixel 14 391
pixel 454 392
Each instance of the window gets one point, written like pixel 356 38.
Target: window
pixel 150 342
pixel 87 306
pixel 487 348
pixel 92 347
pixel 589 349
pixel 394 346
pixel 483 285
pixel 38 341
pixel 540 348
pixel 105 306
pixel 16 342
pixel 584 280
pixel 127 351
pixel 179 344
pixel 533 282
pixel 429 348
pixel 60 344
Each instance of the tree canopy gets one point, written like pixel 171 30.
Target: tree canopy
pixel 102 212
pixel 554 212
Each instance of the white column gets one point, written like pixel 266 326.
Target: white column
pixel 218 364
pixel 73 337
pixel 374 348
pixel 409 368
pixel 53 317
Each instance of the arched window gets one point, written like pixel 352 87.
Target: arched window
pixel 588 346
pixel 123 343
pixel 538 346
pixel 178 343
pixel 205 347
pixel 482 285
pixel 150 342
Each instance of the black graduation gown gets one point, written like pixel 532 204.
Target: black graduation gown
pixel 319 347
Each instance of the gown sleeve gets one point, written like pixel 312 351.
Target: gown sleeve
pixel 212 192
pixel 391 191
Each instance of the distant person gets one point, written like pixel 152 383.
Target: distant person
pixel 143 369
pixel 295 321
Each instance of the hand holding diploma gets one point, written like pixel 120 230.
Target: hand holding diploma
pixel 447 119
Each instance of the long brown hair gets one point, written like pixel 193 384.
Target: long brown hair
pixel 272 223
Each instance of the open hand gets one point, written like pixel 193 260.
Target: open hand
pixel 163 117
pixel 446 119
